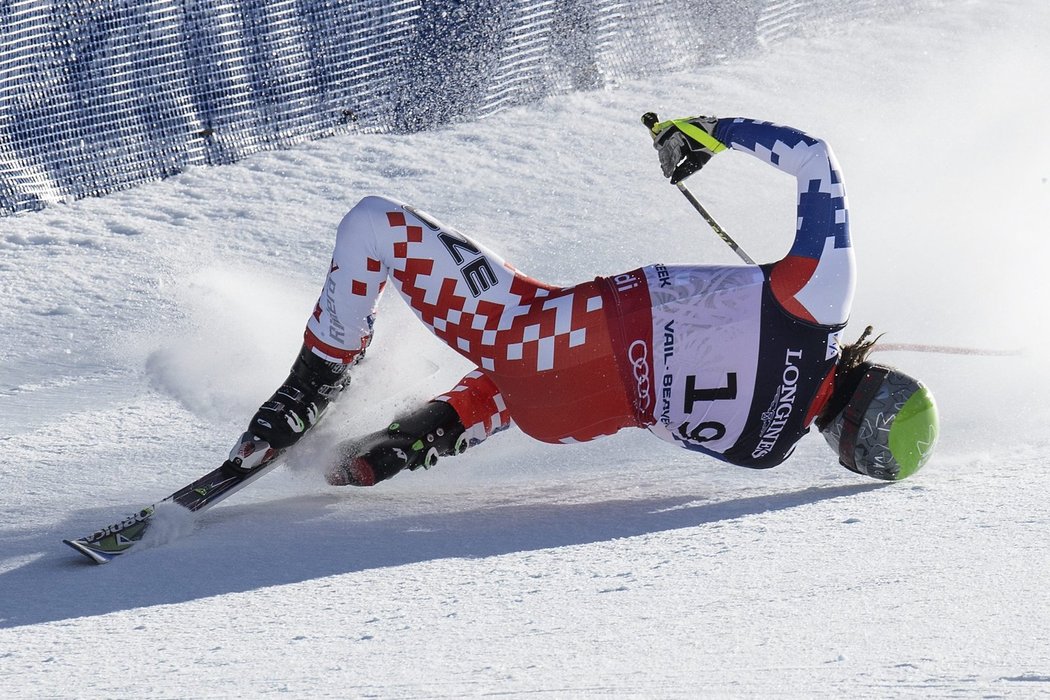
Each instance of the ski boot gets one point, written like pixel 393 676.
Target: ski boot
pixel 299 403
pixel 415 441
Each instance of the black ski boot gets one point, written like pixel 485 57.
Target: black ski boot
pixel 298 404
pixel 409 443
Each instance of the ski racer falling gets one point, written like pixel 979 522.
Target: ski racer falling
pixel 735 362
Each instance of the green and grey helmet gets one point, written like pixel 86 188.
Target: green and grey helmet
pixel 888 426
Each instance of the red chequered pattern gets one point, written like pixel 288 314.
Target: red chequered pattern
pixel 544 354
pixel 537 323
pixel 547 348
pixel 327 332
pixel 478 404
pixel 332 353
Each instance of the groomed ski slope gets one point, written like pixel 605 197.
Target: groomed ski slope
pixel 142 329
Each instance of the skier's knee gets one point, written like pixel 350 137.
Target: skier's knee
pixel 373 206
pixel 367 216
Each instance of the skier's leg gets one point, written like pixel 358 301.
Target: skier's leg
pixel 447 425
pixel 336 336
pixel 548 349
pixel 479 405
pixel 436 269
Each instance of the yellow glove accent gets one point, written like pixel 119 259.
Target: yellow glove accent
pixel 694 132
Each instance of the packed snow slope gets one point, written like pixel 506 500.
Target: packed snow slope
pixel 141 330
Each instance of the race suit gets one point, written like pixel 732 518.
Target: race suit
pixel 731 361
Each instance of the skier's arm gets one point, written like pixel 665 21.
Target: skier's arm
pixel 815 281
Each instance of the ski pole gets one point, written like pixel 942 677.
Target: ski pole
pixel 945 350
pixel 649 119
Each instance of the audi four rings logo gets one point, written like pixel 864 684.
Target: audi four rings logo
pixel 638 354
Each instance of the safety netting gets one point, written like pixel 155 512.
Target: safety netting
pixel 97 95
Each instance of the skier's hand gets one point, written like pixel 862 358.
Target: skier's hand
pixel 685 145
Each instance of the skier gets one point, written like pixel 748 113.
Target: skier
pixel 735 362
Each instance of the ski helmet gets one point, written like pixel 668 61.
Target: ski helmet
pixel 888 426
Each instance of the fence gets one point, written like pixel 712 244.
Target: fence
pixel 98 95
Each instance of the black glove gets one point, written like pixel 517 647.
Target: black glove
pixel 685 145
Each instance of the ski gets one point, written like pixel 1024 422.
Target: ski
pixel 250 460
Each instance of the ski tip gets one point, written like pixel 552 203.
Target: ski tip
pixel 88 551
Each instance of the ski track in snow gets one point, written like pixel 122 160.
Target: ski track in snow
pixel 142 329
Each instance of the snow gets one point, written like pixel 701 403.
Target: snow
pixel 142 329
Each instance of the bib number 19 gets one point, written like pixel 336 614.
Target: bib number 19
pixel 708 430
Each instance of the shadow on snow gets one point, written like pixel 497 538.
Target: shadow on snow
pixel 282 542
